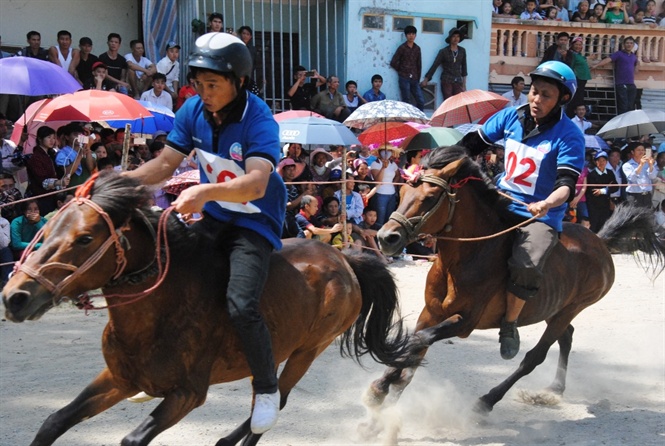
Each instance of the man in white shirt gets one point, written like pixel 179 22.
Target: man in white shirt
pixel 141 69
pixel 170 67
pixel 157 95
pixel 515 95
pixel 579 118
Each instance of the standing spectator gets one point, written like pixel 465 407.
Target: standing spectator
pixel 640 172
pixel 407 61
pixel 515 95
pixel 86 62
pixel 582 72
pixel 597 13
pixel 157 95
pixel 42 177
pixel 352 99
pixel 141 69
pixel 385 171
pixel 170 67
pixel 76 166
pixel 597 196
pixel 375 93
pixel 507 11
pixel 559 50
pixel 34 48
pixel 186 91
pixel 531 13
pixel 215 22
pixel 246 35
pixel 452 59
pixel 302 92
pixel 583 13
pixel 115 64
pixel 562 12
pixel 496 7
pixel 625 66
pixel 615 13
pixel 25 226
pixel 579 118
pixel 330 103
pixel 615 166
pixel 63 54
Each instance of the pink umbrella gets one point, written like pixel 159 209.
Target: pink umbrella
pixel 25 124
pixel 466 107
pixel 295 114
pixel 178 183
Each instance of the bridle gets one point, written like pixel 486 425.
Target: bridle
pixel 412 225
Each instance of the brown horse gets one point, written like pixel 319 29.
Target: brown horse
pixel 176 340
pixel 466 286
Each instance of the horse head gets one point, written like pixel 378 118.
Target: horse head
pixel 428 203
pixel 82 248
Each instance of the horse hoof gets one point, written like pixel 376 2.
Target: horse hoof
pixel 373 397
pixel 481 407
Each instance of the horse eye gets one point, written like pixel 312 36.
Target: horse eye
pixel 84 240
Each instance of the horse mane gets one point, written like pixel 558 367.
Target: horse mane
pixel 484 189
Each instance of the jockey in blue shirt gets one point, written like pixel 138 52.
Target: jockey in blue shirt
pixel 544 157
pixel 242 196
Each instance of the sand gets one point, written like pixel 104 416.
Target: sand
pixel 615 393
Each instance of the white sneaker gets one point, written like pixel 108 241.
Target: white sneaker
pixel 266 410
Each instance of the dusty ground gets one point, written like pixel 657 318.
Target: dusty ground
pixel 615 394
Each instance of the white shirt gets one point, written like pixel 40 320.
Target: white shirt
pixel 583 124
pixel 388 177
pixel 164 99
pixel 170 69
pixel 143 63
pixel 510 95
pixel 638 182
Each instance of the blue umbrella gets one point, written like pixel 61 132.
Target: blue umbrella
pixel 33 77
pixel 595 142
pixel 316 131
pixel 161 119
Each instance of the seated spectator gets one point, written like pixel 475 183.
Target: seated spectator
pixel 297 154
pixel 515 95
pixel 375 93
pixel 115 63
pixel 9 195
pixel 353 210
pixel 615 13
pixel 99 80
pixel 187 91
pixel 309 207
pixel 361 173
pixel 334 185
pixel 302 92
pixel 62 54
pixel 25 226
pixel 170 67
pixel 351 98
pixel 350 243
pixel 583 13
pixel 6 255
pixel 287 168
pixel 34 48
pixel 317 165
pixel 141 69
pixel 86 63
pixel 330 212
pixel 330 103
pixel 531 12
pixel 42 177
pixel 61 199
pixel 157 95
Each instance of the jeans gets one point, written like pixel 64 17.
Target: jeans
pixel 384 205
pixel 626 94
pixel 249 259
pixel 408 87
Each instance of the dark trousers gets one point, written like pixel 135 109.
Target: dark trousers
pixel 626 94
pixel 408 87
pixel 249 259
pixel 640 200
pixel 449 89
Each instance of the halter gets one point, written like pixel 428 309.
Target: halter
pixel 117 239
pixel 412 225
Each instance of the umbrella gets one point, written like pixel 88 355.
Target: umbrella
pixel 595 142
pixel 384 111
pixel 180 182
pixel 92 105
pixel 467 128
pixel 162 119
pixel 432 137
pixel 291 114
pixel 25 124
pixel 316 131
pixel 467 106
pixel 390 132
pixel 634 123
pixel 33 77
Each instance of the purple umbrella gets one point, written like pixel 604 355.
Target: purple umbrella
pixel 33 77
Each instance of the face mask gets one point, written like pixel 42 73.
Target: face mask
pixel 320 170
pixel 385 154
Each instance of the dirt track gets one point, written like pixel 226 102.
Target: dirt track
pixel 615 394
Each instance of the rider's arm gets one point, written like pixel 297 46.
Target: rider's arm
pixel 158 169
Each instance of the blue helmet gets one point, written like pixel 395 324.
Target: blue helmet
pixel 560 72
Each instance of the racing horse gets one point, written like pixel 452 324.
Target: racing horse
pixel 466 286
pixel 169 333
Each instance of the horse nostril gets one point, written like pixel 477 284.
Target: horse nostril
pixel 16 301
pixel 392 239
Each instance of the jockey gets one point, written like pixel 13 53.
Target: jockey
pixel 241 195
pixel 544 157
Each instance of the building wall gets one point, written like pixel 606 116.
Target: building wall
pixel 369 51
pixel 89 18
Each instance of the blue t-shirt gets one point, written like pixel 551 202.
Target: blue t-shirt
pixel 370 96
pixel 67 156
pixel 533 163
pixel 255 134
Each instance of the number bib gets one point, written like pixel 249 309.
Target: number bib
pixel 522 167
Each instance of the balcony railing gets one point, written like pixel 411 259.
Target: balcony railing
pixel 518 45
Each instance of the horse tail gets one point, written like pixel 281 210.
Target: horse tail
pixel 379 328
pixel 633 229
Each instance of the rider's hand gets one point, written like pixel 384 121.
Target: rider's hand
pixel 191 200
pixel 539 208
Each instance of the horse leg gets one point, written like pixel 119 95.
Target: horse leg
pixel 294 369
pixel 565 344
pixel 175 406
pixel 99 395
pixel 556 329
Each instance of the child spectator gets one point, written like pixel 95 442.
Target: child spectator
pixel 507 11
pixel 24 228
pixel 615 13
pixel 187 91
pixel 338 239
pixel 375 93
pixel 551 13
pixel 368 230
pixel 156 95
pixel 351 98
pixel 98 81
pixel 530 13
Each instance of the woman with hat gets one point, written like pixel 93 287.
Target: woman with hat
pixel 453 66
pixel 598 192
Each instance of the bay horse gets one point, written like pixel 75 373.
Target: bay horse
pixel 466 286
pixel 174 339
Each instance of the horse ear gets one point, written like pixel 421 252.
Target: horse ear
pixel 452 168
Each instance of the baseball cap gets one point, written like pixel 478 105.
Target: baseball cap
pixel 159 133
pixel 172 45
pixel 601 154
pixel 335 174
pixel 98 64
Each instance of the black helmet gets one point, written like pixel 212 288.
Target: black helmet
pixel 223 53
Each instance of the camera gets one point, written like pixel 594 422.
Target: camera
pixel 309 73
pixel 82 139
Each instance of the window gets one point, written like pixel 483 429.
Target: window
pixel 373 21
pixel 399 23
pixel 466 28
pixel 434 26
